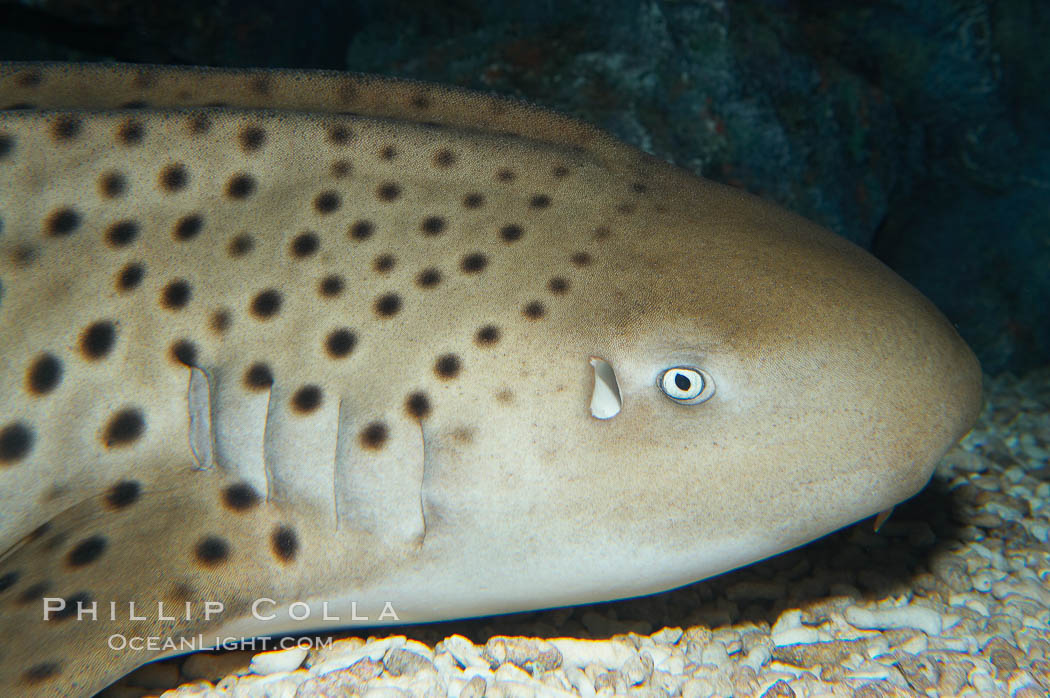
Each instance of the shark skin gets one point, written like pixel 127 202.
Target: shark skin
pixel 334 339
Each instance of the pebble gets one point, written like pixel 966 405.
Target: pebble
pixel 918 617
pixel 278 661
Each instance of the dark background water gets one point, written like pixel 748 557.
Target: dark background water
pixel 916 128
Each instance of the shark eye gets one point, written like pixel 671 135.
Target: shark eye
pixel 687 386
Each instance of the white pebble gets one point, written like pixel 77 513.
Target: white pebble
pixel 580 653
pixel 803 635
pixel 917 617
pixel 278 661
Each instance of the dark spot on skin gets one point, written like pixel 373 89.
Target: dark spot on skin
pixel 339 135
pixel 540 201
pixel 327 202
pixel 625 208
pixel 123 428
pixel 420 102
pixel 199 124
pixel 181 592
pixel 240 186
pixel 447 366
pixel 388 191
pixel 558 285
pixel 473 263
pixel 388 152
pixel 266 304
pixel 444 158
pixel 341 168
pixel 123 494
pixel 66 128
pixel 418 405
pixel 173 178
pixel 602 232
pixel 44 374
pixel 388 304
pixel 176 295
pixel 112 184
pixel 284 543
pixel 340 343
pixel 62 222
pixel 473 200
pixel 331 286
pixel 511 232
pixel 260 85
pixel 122 233
pixel 240 496
pixel 184 352
pixel 130 132
pixel 23 255
pixel 374 436
pixel 534 310
pixel 306 399
pixel 240 245
pixel 560 171
pixel 432 225
pixel 304 245
pixel 29 78
pixel 98 339
pixel 252 138
pixel 86 551
pixel 211 551
pixel 82 598
pixel 220 321
pixel 189 227
pixel 130 277
pixel 428 278
pixel 33 593
pixel 8 580
pixel 639 187
pixel 16 442
pixel 38 673
pixel 6 145
pixel 362 230
pixel 258 377
pixel 580 259
pixel 505 174
pixel 384 263
pixel 487 335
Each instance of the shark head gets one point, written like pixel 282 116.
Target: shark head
pixel 351 343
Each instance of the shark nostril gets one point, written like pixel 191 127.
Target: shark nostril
pixel 605 400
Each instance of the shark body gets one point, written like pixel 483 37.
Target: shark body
pixel 351 342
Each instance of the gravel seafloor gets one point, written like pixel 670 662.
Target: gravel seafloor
pixel 950 597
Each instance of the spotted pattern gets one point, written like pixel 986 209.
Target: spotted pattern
pixel 448 366
pixel 258 377
pixel 211 551
pixel 122 233
pixel 124 428
pixel 16 441
pixel 284 542
pixel 374 436
pixel 176 295
pixel 307 399
pixel 97 340
pixel 189 227
pixel 123 494
pixel 86 551
pixel 240 497
pixel 44 375
pixel 62 222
